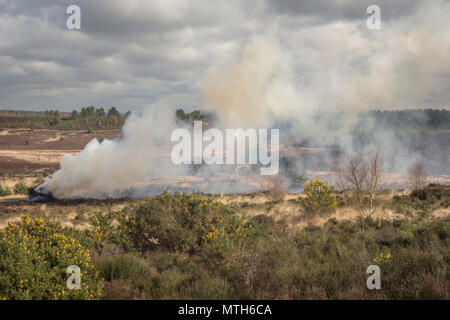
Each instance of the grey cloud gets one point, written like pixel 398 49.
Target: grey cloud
pixel 132 53
pixel 329 10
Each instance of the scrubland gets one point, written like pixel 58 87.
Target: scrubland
pixel 263 245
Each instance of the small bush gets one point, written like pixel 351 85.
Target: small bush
pixel 5 191
pixel 423 200
pixel 230 235
pixel 120 267
pixel 21 187
pixel 319 197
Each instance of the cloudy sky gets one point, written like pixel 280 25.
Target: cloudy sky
pixel 133 53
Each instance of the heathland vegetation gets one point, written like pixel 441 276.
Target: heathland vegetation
pixel 196 246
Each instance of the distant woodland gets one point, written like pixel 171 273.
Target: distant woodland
pixel 89 118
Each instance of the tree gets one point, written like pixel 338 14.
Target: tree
pixel 181 115
pixel 57 117
pixel 75 115
pixel 100 112
pixel 84 112
pixel 359 178
pixel 375 171
pixel 416 175
pixel 113 112
pixel 91 111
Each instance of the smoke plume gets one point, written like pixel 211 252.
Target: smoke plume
pixel 314 81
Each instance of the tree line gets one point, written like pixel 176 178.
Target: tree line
pixel 89 118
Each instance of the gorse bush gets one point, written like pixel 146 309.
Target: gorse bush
pixel 175 222
pixel 110 228
pixel 226 236
pixel 34 256
pixel 319 197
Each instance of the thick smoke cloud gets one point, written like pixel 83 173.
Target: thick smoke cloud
pixel 340 67
pixel 303 72
pixel 114 168
pixel 321 77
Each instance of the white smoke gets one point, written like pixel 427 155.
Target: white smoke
pixel 110 168
pixel 342 66
pixel 280 75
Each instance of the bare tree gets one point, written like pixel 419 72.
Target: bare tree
pixel 351 180
pixel 416 175
pixel 359 178
pixel 375 171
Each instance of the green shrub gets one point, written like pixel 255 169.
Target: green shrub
pixel 319 197
pixel 188 246
pixel 21 187
pixel 422 201
pixel 122 267
pixel 226 236
pixel 181 222
pixel 5 191
pixel 34 257
pixel 177 223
